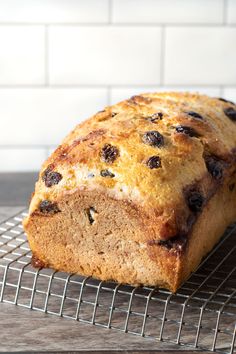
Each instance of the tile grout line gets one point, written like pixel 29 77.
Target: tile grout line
pixel 120 24
pixel 110 8
pixel 225 6
pixel 221 90
pixel 104 86
pixel 162 55
pixel 46 153
pixel 108 95
pixel 26 147
pixel 46 59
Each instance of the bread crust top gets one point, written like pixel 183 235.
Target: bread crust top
pixel 166 153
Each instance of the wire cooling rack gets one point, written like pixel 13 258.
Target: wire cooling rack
pixel 202 314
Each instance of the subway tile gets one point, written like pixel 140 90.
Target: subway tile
pixel 44 116
pixel 230 93
pixel 104 55
pixel 162 11
pixel 22 55
pixel 24 160
pixel 200 56
pixel 119 94
pixel 53 11
pixel 231 11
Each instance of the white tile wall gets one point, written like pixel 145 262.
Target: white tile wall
pixel 231 11
pixel 43 116
pixel 104 55
pixel 164 11
pixel 62 60
pixel 22 55
pixel 230 93
pixel 200 56
pixel 21 159
pixel 53 11
pixel 119 94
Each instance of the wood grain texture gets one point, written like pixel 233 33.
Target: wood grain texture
pixel 22 329
pixel 115 352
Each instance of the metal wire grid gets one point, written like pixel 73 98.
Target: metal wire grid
pixel 202 314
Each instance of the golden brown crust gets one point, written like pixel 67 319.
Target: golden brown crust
pixel 162 159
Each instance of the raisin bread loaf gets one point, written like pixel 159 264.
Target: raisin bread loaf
pixel 138 193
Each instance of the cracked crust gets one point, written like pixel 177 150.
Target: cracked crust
pixel 167 193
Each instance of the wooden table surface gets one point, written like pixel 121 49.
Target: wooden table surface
pixel 26 330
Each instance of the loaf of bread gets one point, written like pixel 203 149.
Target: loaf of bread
pixel 140 192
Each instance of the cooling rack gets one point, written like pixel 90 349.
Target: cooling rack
pixel 201 315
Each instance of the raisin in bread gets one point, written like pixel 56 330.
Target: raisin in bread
pixel 138 193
